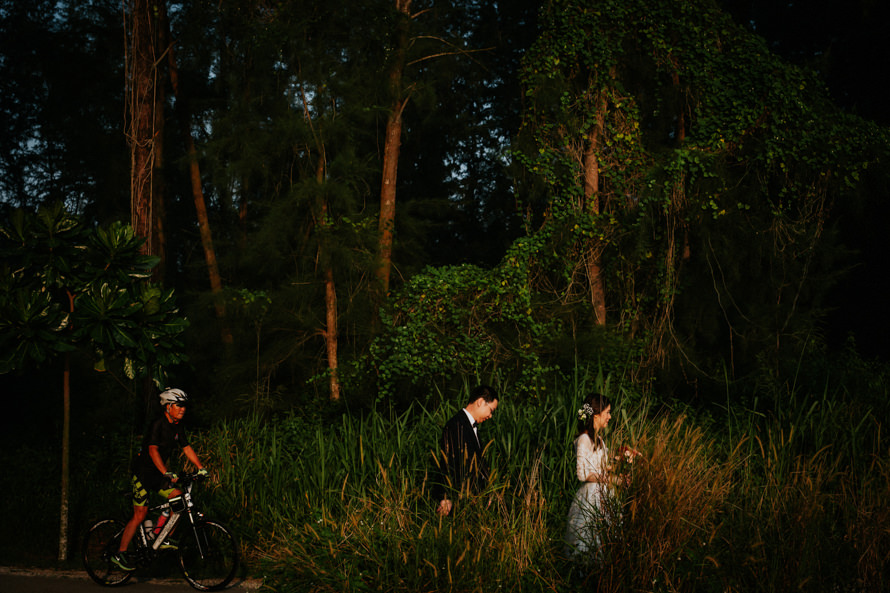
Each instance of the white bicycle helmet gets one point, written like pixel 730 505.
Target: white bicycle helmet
pixel 173 396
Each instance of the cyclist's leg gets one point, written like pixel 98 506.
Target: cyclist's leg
pixel 140 500
pixel 140 497
pixel 167 493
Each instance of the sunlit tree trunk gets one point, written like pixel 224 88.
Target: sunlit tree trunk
pixel 391 147
pixel 681 137
pixel 593 251
pixel 330 303
pixel 197 191
pixel 331 334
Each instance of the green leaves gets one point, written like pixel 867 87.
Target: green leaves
pixel 116 248
pixel 70 287
pixel 42 247
pixel 107 314
pixel 30 323
pixel 460 321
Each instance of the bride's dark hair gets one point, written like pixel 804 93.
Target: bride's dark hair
pixel 593 405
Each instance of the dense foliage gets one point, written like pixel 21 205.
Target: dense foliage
pixel 67 286
pixel 695 172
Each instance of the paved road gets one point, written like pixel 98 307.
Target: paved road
pixel 15 580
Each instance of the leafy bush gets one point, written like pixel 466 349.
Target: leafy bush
pixel 452 322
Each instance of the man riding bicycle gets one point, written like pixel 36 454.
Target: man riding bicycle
pixel 150 473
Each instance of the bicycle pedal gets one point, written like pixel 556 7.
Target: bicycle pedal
pixel 168 544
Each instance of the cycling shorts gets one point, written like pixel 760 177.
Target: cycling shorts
pixel 140 494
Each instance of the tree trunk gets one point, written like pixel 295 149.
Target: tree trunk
pixel 66 449
pixel 141 132
pixel 158 212
pixel 330 297
pixel 197 191
pixel 593 252
pixel 66 456
pixel 386 224
pixel 330 302
pixel 391 148
pixel 681 137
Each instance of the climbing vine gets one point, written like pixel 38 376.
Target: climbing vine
pixel 678 172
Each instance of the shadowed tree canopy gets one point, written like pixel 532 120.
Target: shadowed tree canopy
pixel 845 43
pixel 61 106
pixel 678 182
pixel 686 179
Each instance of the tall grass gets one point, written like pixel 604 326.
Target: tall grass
pixel 795 500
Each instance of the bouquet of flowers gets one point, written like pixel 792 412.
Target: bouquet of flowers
pixel 622 465
pixel 626 455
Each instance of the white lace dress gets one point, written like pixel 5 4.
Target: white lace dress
pixel 588 515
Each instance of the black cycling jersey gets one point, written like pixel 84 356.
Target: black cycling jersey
pixel 167 437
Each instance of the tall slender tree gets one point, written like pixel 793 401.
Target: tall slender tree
pixel 423 46
pixel 145 117
pixel 216 285
pixel 399 97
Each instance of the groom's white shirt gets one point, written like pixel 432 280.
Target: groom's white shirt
pixel 472 423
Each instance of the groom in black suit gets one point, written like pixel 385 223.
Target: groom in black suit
pixel 461 465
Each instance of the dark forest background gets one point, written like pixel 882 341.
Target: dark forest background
pixel 687 198
pixel 244 73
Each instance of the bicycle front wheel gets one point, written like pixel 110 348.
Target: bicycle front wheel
pixel 208 555
pixel 100 543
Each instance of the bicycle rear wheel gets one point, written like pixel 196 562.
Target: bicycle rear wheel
pixel 100 543
pixel 208 555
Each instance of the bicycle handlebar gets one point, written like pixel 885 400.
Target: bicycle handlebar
pixel 190 478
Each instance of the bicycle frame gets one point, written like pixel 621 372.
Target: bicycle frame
pixel 178 505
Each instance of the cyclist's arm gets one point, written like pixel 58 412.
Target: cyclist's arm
pixel 192 456
pixel 155 455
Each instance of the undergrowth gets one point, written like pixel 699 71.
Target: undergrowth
pixel 778 500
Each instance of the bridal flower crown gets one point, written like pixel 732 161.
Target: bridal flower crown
pixel 585 412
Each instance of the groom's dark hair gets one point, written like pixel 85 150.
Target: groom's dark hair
pixel 489 394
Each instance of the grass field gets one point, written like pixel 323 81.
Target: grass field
pixel 787 498
pixel 790 500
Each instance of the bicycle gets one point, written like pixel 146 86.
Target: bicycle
pixel 208 552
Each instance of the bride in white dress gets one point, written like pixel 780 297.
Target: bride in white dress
pixel 589 513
